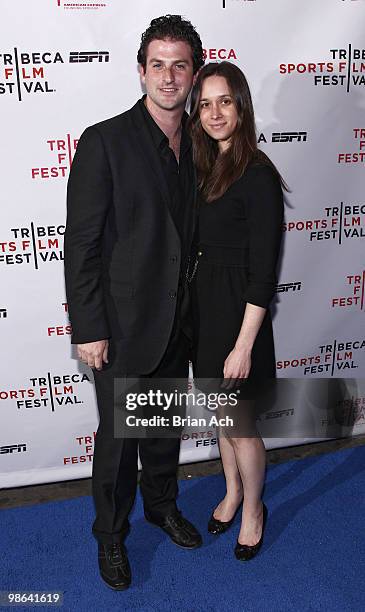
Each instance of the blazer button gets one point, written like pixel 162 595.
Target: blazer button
pixel 172 294
pixel 173 258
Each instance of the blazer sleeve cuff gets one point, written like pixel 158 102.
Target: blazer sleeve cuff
pixel 259 296
pixel 81 336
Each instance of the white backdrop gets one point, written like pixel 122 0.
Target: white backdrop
pixel 66 65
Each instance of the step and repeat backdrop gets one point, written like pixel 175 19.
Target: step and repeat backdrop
pixel 66 65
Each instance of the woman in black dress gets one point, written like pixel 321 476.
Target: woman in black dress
pixel 233 281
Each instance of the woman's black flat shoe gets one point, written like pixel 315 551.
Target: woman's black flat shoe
pixel 243 552
pixel 217 527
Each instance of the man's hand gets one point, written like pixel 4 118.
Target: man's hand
pixel 94 353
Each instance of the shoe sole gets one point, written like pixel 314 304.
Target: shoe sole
pixel 243 560
pixel 185 547
pixel 249 558
pixel 173 541
pixel 114 588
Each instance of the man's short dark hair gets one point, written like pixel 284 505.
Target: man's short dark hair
pixel 175 28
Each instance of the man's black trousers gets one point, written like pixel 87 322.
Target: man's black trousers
pixel 115 468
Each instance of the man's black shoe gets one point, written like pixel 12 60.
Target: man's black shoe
pixel 180 530
pixel 114 566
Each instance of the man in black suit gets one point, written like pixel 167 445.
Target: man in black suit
pixel 130 221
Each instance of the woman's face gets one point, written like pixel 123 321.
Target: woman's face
pixel 218 114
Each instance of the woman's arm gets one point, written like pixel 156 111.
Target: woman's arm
pixel 264 216
pixel 238 362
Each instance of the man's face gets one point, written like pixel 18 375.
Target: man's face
pixel 168 76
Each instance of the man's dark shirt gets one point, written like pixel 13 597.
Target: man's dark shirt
pixel 178 178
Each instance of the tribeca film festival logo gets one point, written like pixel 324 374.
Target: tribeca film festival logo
pixel 62 151
pixel 213 54
pixel 60 330
pixel 348 412
pixel 338 223
pixel 25 72
pixel 85 446
pixel 344 68
pixel 80 5
pixel 35 244
pixel 355 284
pixel 330 359
pixel 284 137
pixel 355 157
pixel 200 438
pixel 50 391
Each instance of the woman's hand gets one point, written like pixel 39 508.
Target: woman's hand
pixel 236 366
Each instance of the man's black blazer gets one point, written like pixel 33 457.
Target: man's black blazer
pixel 122 249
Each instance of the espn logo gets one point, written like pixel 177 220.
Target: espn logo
pixel 289 136
pixel 80 57
pixel 12 448
pixel 284 287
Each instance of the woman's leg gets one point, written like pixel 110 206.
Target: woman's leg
pixel 228 506
pixel 250 456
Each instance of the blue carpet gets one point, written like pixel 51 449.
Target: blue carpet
pixel 313 556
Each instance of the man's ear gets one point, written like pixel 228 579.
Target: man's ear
pixel 142 73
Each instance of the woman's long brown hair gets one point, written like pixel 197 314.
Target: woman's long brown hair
pixel 217 171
